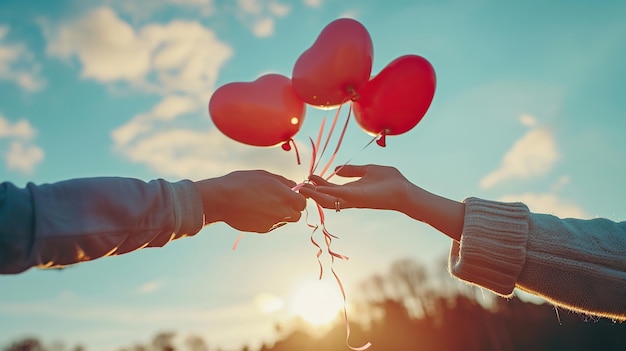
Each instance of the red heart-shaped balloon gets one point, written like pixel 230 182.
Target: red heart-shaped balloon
pixel 337 64
pixel 394 101
pixel 265 112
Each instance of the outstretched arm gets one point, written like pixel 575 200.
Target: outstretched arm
pixel 574 263
pixel 53 225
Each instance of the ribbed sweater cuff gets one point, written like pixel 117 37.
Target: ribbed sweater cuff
pixel 492 250
pixel 188 209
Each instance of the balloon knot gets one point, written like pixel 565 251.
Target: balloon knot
pixel 382 139
pixel 354 96
pixel 286 146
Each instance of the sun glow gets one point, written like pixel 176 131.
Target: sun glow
pixel 269 303
pixel 317 302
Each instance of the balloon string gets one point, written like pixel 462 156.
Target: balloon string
pixel 337 169
pixel 328 239
pixel 312 168
pixel 316 147
pixel 330 133
pixel 287 147
pixel 313 156
pixel 237 241
pixel 345 316
pixel 343 132
pixel 295 147
pixel 327 236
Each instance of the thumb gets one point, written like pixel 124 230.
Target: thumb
pixel 317 180
pixel 351 171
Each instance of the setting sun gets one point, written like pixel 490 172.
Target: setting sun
pixel 317 302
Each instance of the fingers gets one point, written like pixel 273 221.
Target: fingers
pixel 276 226
pixel 326 196
pixel 330 191
pixel 351 170
pixel 317 180
pixel 266 223
pixel 309 192
pixel 294 199
pixel 324 199
pixel 331 202
pixel 297 201
pixel 287 182
pixel 293 217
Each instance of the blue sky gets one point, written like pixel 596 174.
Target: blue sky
pixel 529 107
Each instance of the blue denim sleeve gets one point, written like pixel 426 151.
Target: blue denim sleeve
pixel 17 223
pixel 54 225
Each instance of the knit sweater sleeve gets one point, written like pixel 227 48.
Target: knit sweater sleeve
pixel 576 264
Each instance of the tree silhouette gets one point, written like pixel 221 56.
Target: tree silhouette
pixel 163 341
pixel 412 308
pixel 26 344
pixel 196 343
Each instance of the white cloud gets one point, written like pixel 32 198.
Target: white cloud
pixel 138 125
pixel 279 9
pixel 547 203
pixel 173 106
pixel 143 9
pixel 202 4
pixel 260 15
pixel 257 15
pixel 179 61
pixel 313 3
pixel 167 110
pixel 17 64
pixel 532 155
pixel 150 287
pixel 354 14
pixel 157 140
pixel 107 47
pixel 560 183
pixel 528 120
pixel 254 7
pixel 180 56
pixel 263 27
pixel 20 129
pixel 22 155
pixel 199 154
pixel 187 57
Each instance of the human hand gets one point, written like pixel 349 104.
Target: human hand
pixel 385 188
pixel 379 187
pixel 251 201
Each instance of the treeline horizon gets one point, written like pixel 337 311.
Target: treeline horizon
pixel 410 308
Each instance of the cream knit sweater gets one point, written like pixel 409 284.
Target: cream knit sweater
pixel 573 263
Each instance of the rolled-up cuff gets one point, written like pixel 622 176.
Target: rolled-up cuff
pixel 187 208
pixel 492 250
